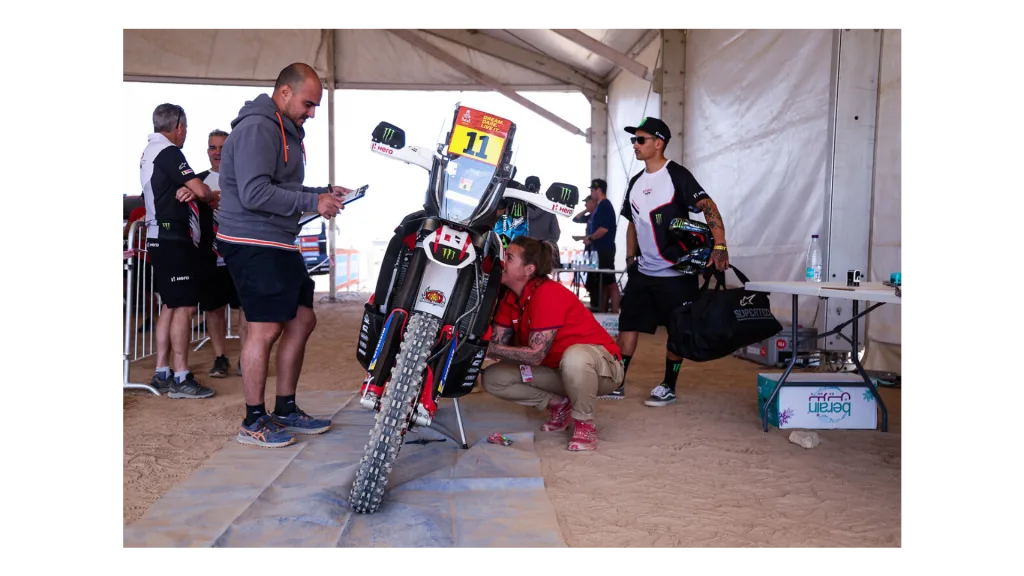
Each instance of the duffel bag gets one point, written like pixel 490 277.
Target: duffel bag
pixel 721 320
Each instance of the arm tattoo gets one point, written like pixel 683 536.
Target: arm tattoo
pixel 711 214
pixel 502 335
pixel 532 355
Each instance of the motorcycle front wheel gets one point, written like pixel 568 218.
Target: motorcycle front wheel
pixel 400 398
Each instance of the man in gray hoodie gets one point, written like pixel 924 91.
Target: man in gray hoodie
pixel 262 199
pixel 542 225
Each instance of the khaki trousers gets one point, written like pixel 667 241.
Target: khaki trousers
pixel 586 372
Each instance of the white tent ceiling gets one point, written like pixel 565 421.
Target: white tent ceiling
pixel 381 59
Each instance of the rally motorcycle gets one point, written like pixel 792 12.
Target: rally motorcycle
pixel 425 329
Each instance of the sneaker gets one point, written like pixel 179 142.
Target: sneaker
pixel 661 396
pixel 189 388
pixel 584 436
pixel 264 433
pixel 616 395
pixel 560 418
pixel 162 384
pixel 221 367
pixel 299 422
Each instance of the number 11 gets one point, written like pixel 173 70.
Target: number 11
pixel 483 145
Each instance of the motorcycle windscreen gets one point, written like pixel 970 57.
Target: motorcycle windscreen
pixel 476 146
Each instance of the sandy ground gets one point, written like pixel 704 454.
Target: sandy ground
pixel 696 473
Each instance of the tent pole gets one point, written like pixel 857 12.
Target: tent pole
pixel 332 251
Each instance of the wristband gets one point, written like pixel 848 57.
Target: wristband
pixel 721 247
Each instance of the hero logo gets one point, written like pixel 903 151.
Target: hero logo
pixel 381 149
pixel 434 297
pixel 562 209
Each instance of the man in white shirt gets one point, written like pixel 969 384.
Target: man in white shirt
pixel 662 191
pixel 217 290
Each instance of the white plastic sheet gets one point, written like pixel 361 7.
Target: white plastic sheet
pixel 884 333
pixel 755 137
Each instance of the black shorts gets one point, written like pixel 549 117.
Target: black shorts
pixel 648 301
pixel 176 269
pixel 271 282
pixel 217 289
pixel 606 261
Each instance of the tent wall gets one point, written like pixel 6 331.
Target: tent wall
pixel 884 334
pixel 630 99
pixel 756 111
pixel 756 114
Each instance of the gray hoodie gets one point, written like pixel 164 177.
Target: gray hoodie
pixel 543 225
pixel 261 173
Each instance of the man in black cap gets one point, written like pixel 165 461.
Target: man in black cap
pixel 662 191
pixel 541 225
pixel 600 238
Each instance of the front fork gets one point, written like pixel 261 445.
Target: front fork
pixel 426 408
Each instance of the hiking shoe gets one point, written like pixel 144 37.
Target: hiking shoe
pixel 618 394
pixel 264 433
pixel 584 436
pixel 189 388
pixel 299 422
pixel 661 396
pixel 162 385
pixel 221 367
pixel 560 417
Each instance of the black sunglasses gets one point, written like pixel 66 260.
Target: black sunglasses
pixel 641 140
pixel 181 112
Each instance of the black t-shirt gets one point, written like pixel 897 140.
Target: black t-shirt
pixel 205 217
pixel 652 201
pixel 165 170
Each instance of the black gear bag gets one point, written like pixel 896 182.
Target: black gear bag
pixel 721 320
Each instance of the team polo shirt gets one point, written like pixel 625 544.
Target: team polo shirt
pixel 548 305
pixel 163 169
pixel 652 201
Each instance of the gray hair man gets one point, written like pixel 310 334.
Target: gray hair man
pixel 172 194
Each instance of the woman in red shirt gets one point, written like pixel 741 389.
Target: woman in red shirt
pixel 552 352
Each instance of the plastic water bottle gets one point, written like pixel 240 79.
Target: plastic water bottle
pixel 814 259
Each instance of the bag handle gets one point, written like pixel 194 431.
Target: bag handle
pixel 720 278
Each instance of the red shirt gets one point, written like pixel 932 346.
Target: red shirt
pixel 548 305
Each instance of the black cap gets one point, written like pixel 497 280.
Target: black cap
pixel 599 183
pixel 532 183
pixel 652 126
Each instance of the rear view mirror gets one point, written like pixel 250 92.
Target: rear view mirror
pixel 565 195
pixel 389 135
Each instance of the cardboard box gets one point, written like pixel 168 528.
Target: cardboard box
pixel 822 401
pixel 610 322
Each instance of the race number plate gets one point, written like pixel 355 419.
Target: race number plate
pixel 479 135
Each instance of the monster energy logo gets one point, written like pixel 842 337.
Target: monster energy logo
pixel 388 133
pixel 657 219
pixel 565 194
pixel 448 254
pixel 517 210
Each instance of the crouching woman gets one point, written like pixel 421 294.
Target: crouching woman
pixel 552 353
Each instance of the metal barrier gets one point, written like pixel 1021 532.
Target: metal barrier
pixel 142 308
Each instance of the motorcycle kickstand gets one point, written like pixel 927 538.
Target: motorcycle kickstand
pixel 438 427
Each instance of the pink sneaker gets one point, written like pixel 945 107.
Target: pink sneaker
pixel 584 436
pixel 560 417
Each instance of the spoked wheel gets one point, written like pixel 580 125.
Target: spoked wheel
pixel 396 408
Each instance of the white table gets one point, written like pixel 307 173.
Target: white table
pixel 875 292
